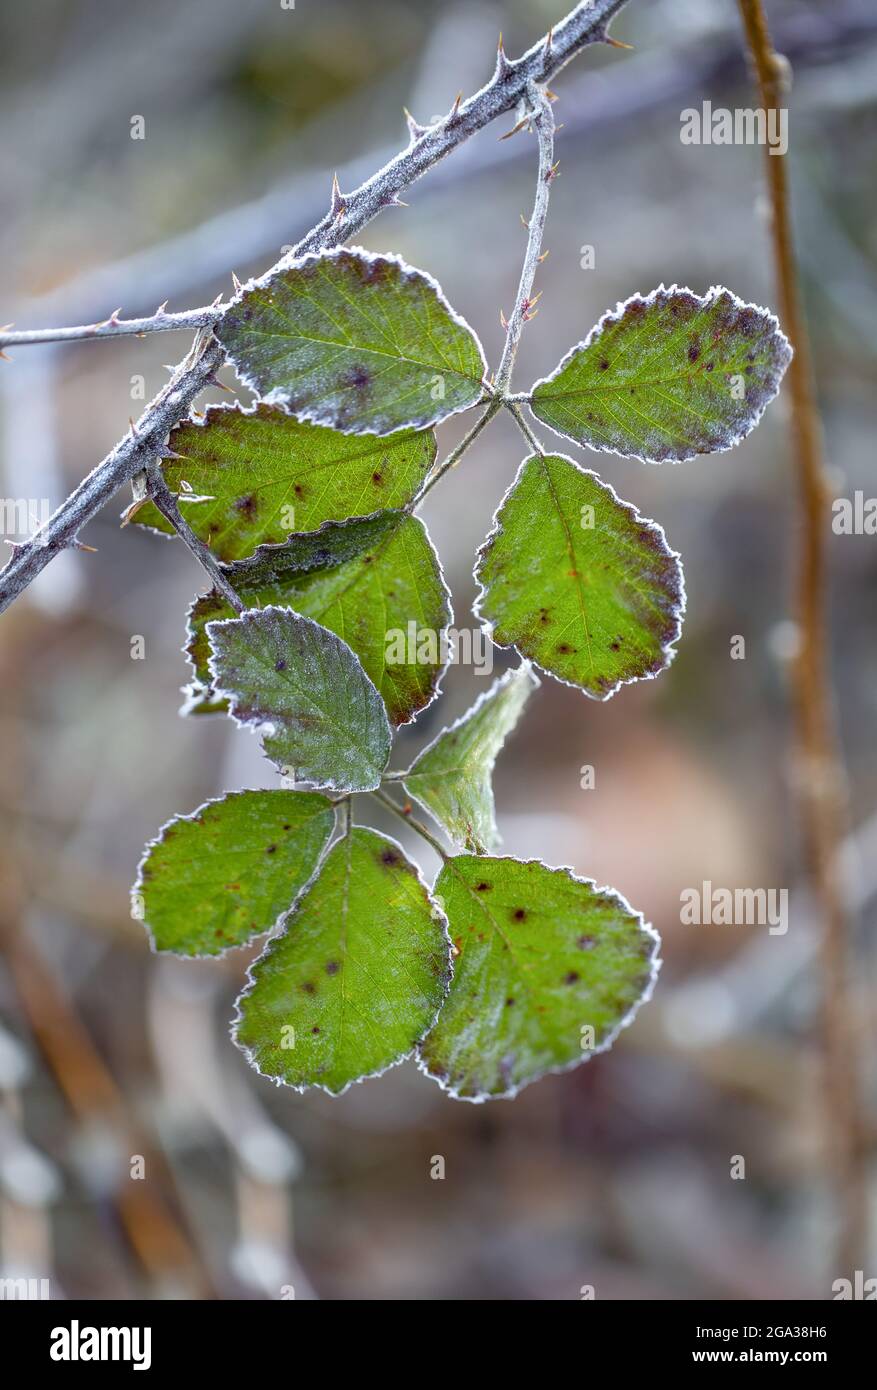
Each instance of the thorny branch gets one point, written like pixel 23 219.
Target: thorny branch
pixel 524 310
pixel 540 115
pixel 820 775
pixel 348 213
pixel 113 327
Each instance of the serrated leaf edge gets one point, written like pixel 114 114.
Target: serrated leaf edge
pixel 613 316
pixel 654 963
pixel 279 397
pixel 487 625
pixel 438 915
pixel 265 726
pixel 262 406
pixel 526 667
pixel 138 885
pixel 194 692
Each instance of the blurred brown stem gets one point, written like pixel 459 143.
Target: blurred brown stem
pixel 820 776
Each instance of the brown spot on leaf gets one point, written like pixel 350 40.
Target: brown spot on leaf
pixel 358 378
pixel 332 967
pixel 571 978
pixel 519 914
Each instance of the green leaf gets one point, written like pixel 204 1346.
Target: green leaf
pixel 360 342
pixel 357 976
pixel 230 870
pixel 452 777
pixel 542 955
pixel 258 475
pixel 578 581
pixel 667 376
pixel 362 579
pixel 306 689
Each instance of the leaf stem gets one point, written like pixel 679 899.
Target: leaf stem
pixel 518 416
pixel 821 780
pixel 543 119
pixel 457 453
pixel 167 504
pixel 415 824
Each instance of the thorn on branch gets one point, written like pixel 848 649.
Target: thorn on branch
pixel 503 66
pixel 338 207
pixel 131 510
pixel 503 320
pixel 454 113
pixel 415 129
pixel 553 172
pixel 236 282
pixel 80 545
pixel 615 43
pixel 161 309
pixel 5 356
pixel 514 130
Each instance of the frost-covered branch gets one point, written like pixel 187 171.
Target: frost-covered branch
pixel 114 327
pixel 348 213
pixel 543 120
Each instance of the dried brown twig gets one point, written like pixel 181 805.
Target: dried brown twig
pixel 820 779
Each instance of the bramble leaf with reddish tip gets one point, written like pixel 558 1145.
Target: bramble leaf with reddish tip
pixel 361 342
pixel 578 581
pixel 668 376
pixel 256 476
pixel 363 579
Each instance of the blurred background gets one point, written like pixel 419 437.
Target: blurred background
pixel 619 1174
